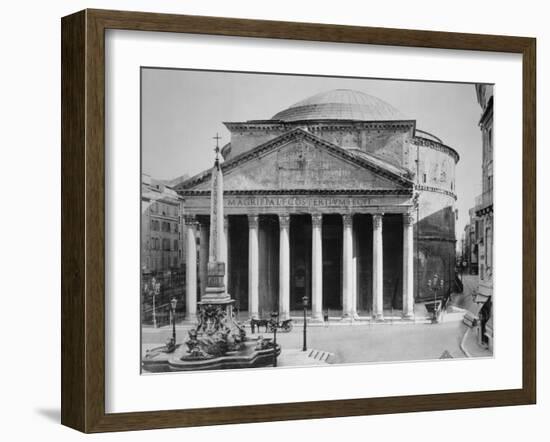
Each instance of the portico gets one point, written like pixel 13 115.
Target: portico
pixel 341 254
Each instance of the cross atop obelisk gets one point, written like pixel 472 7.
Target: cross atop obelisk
pixel 217 150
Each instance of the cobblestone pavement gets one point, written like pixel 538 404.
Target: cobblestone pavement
pixel 360 343
pixel 465 299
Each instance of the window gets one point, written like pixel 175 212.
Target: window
pixel 424 178
pixel 175 244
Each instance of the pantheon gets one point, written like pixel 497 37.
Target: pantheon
pixel 339 198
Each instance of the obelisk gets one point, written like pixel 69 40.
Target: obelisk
pixel 215 290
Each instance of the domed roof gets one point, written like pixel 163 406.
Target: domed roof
pixel 340 104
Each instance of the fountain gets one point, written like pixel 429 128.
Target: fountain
pixel 218 340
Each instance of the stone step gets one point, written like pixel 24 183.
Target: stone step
pixel 319 355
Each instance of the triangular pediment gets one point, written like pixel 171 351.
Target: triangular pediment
pixel 299 160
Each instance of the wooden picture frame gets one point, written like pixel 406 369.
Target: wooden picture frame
pixel 83 220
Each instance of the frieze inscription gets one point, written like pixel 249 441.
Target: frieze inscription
pixel 299 202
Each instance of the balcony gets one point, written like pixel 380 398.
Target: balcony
pixel 484 201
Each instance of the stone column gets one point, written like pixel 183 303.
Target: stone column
pixel 253 267
pixel 408 267
pixel 203 256
pixel 354 269
pixel 191 269
pixel 316 267
pixel 225 249
pixel 347 268
pixel 377 268
pixel 284 267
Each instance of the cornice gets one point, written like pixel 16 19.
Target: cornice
pixel 420 141
pixel 436 238
pixel 436 190
pixel 318 125
pixel 360 192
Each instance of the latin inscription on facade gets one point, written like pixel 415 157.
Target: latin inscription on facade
pixel 299 202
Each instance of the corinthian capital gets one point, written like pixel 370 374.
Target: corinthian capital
pixel 316 219
pixel 190 220
pixel 408 219
pixel 347 219
pixel 253 221
pixel 284 221
pixel 377 220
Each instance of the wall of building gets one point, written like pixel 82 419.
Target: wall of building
pixel 162 229
pixel 435 237
pixel 484 203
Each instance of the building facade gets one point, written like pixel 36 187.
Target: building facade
pixel 470 245
pixel 339 198
pixel 162 228
pixel 162 252
pixel 484 211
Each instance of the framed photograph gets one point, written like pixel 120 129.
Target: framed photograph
pixel 267 221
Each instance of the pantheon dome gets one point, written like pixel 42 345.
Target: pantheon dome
pixel 340 104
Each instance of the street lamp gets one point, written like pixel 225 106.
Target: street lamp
pixel 304 302
pixel 173 303
pixel 435 284
pixel 274 326
pixel 155 291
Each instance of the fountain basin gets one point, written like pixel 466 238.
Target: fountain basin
pixel 158 360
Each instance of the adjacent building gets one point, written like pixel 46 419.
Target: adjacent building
pixel 470 240
pixel 162 249
pixel 339 198
pixel 161 214
pixel 484 212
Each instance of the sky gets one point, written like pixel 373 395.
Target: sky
pixel 182 110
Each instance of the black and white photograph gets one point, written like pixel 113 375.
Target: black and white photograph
pixel 293 220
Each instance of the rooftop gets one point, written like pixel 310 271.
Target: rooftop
pixel 341 104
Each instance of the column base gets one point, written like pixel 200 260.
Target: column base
pixel 349 317
pixel 317 318
pixel 408 316
pixel 191 317
pixel 283 316
pixel 378 317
